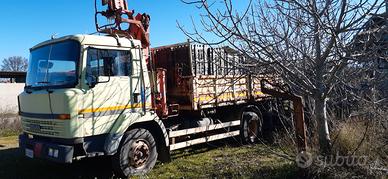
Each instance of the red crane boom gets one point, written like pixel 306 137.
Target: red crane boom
pixel 117 10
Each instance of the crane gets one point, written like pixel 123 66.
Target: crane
pixel 117 10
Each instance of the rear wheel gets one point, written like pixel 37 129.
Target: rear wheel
pixel 251 127
pixel 137 153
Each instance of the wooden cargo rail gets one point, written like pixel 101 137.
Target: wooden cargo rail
pixel 200 77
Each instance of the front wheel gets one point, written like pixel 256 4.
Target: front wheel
pixel 137 153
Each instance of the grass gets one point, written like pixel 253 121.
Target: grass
pixel 198 162
pixel 361 137
pixel 227 162
pixel 9 132
pixel 8 142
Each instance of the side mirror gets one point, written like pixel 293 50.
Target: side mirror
pixel 92 81
pixel 104 2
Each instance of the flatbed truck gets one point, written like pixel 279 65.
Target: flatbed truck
pixel 110 95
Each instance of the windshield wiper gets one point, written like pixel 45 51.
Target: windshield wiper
pixel 43 82
pixel 62 81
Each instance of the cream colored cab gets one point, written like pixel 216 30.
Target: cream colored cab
pixel 84 85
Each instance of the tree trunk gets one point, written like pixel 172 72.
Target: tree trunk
pixel 323 128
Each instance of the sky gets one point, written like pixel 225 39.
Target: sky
pixel 25 23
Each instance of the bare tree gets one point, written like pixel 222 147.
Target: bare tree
pixel 15 63
pixel 304 41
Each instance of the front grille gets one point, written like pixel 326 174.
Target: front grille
pixel 43 127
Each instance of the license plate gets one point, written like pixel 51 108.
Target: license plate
pixel 29 153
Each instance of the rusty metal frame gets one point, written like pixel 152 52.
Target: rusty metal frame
pixel 285 93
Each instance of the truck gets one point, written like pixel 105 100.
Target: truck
pixel 111 95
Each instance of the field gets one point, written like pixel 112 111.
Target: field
pixel 216 160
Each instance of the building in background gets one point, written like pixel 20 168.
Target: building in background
pixel 12 77
pixel 371 50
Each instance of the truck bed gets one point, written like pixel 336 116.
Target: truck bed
pixel 200 77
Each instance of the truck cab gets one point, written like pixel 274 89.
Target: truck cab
pixel 82 93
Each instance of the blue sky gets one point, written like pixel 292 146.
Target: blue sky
pixel 25 23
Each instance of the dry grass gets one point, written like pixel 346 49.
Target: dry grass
pixel 8 142
pixel 361 137
pixel 352 137
pixel 10 124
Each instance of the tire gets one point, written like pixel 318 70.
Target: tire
pixel 136 155
pixel 251 127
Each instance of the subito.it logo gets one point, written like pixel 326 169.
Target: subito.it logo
pixel 304 160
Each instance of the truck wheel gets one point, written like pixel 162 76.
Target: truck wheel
pixel 137 153
pixel 251 127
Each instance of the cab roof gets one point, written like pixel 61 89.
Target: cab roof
pixel 94 40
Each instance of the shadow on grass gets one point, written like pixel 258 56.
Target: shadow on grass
pixel 14 165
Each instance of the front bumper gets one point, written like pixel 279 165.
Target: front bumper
pixel 35 148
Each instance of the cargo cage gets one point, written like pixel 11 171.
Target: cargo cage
pixel 200 76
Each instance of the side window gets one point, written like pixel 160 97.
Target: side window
pixel 122 63
pixel 98 64
pixel 108 62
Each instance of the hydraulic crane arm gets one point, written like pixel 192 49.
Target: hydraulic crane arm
pixel 126 24
pixel 117 10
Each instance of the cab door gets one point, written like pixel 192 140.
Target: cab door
pixel 108 75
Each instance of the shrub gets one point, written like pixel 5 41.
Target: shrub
pixel 10 123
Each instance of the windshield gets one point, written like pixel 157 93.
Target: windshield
pixel 54 65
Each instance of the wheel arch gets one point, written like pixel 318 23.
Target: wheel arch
pixel 252 108
pixel 150 123
pixel 159 132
